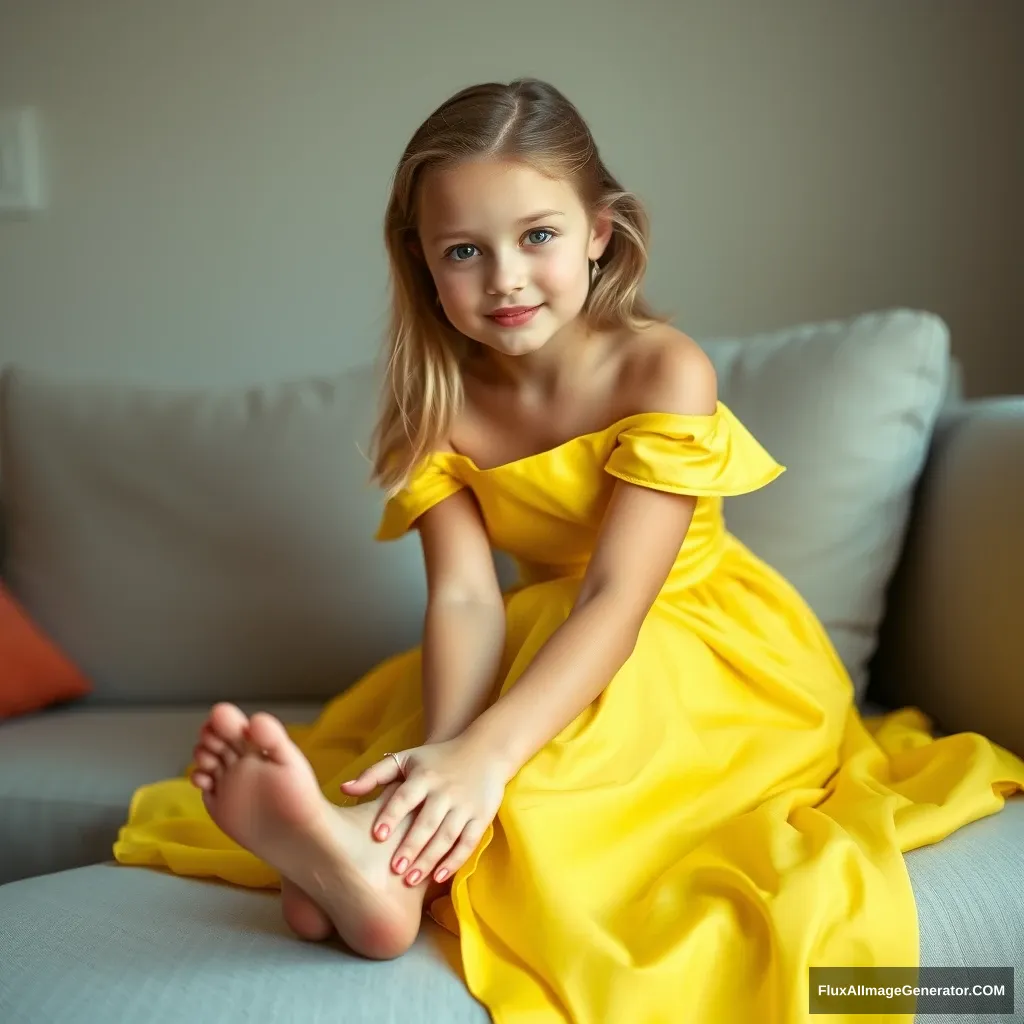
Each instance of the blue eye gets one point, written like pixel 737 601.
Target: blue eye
pixel 540 231
pixel 459 254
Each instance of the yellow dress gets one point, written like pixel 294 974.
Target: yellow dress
pixel 719 820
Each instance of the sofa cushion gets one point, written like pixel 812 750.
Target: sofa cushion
pixel 849 408
pixel 970 900
pixel 952 641
pixel 225 537
pixel 67 776
pixel 202 545
pixel 112 944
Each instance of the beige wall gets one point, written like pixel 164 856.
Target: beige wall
pixel 218 168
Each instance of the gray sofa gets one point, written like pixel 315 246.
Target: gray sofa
pixel 187 546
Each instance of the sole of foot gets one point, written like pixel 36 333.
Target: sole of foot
pixel 261 792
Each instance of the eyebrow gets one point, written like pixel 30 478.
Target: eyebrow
pixel 539 215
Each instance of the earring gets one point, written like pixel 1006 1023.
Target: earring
pixel 594 271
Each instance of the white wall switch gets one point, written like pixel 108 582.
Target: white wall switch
pixel 21 184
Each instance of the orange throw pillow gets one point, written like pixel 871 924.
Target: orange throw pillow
pixel 33 672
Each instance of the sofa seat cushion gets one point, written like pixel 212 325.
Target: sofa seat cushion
pixel 67 776
pixel 970 900
pixel 107 944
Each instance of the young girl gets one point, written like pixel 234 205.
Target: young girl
pixel 635 785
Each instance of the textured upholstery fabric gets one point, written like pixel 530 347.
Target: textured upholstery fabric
pixel 970 900
pixel 113 945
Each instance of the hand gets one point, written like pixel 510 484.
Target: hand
pixel 460 789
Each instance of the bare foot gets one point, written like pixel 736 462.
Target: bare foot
pixel 303 915
pixel 262 793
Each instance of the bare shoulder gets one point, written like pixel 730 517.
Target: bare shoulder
pixel 667 371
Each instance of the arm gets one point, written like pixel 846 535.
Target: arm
pixel 464 627
pixel 641 537
pixel 639 541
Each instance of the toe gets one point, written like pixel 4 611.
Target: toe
pixel 202 780
pixel 219 755
pixel 271 738
pixel 303 916
pixel 206 761
pixel 209 740
pixel 228 723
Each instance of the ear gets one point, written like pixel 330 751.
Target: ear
pixel 600 234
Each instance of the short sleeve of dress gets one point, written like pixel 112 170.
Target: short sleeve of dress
pixel 703 455
pixel 433 481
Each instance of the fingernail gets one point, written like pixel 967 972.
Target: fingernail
pixel 441 875
pixel 382 832
pixel 401 865
pixel 414 877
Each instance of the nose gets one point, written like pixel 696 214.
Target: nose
pixel 506 273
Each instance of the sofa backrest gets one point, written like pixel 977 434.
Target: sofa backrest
pixel 185 544
pixel 217 544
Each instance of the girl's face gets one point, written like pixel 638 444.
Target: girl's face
pixel 509 250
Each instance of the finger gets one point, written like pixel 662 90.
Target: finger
pixel 404 799
pixel 461 851
pixel 442 843
pixel 379 774
pixel 424 828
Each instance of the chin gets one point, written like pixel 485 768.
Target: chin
pixel 517 343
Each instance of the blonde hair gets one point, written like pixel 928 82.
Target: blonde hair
pixel 525 120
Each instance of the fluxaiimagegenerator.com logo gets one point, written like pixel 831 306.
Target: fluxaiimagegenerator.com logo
pixel 919 990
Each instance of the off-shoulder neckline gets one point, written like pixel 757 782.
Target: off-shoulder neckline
pixel 624 423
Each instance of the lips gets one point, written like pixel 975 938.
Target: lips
pixel 513 316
